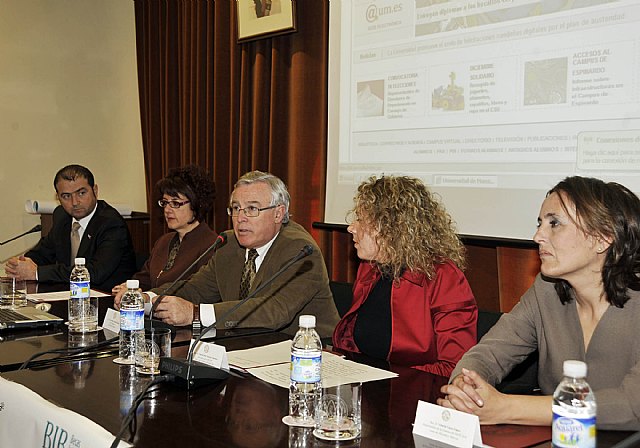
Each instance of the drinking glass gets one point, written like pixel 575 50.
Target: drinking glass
pixel 83 315
pixel 338 416
pixel 13 293
pixel 155 344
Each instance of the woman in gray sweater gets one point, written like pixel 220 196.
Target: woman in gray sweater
pixel 585 305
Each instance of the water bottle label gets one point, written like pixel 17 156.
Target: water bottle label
pixel 306 370
pixel 80 290
pixel 131 319
pixel 573 432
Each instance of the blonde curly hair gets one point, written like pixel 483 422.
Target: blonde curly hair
pixel 414 231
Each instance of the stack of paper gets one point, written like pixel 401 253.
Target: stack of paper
pixel 271 363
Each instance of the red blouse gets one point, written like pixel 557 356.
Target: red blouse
pixel 433 322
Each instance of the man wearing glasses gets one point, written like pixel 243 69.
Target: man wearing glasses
pixel 83 226
pixel 262 241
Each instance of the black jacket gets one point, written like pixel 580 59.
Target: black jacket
pixel 106 246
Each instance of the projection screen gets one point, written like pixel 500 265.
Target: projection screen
pixel 489 102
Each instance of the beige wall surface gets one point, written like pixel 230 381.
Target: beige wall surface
pixel 68 94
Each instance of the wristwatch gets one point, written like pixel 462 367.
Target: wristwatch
pixel 196 315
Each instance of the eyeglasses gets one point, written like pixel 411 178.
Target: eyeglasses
pixel 173 204
pixel 250 211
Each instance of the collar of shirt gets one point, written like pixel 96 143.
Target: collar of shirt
pixel 84 222
pixel 262 251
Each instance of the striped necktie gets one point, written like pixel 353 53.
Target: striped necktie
pixel 248 274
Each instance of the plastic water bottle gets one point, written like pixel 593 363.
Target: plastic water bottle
pixel 131 323
pixel 574 409
pixel 81 317
pixel 306 368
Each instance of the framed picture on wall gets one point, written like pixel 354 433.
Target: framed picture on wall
pixel 264 18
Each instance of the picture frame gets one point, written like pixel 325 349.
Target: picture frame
pixel 258 19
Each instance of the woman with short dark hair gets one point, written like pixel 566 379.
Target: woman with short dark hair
pixel 186 196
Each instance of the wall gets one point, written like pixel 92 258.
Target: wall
pixel 68 94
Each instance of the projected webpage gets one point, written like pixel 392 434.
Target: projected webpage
pixel 501 95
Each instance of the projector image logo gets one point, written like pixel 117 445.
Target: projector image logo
pixel 374 12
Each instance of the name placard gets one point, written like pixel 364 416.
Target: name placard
pixel 211 354
pixel 111 321
pixel 448 426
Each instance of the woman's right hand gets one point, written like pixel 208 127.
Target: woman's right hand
pixel 462 394
pixel 470 393
pixel 118 291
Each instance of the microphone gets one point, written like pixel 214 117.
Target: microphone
pixel 220 241
pixel 35 229
pixel 195 373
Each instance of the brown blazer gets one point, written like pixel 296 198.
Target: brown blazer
pixel 302 289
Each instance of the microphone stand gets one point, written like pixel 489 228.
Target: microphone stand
pixel 176 367
pixel 35 229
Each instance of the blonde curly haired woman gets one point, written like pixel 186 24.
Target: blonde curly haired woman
pixel 412 304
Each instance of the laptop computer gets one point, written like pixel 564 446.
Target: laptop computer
pixel 27 317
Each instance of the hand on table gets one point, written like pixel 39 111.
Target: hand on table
pixel 470 393
pixel 21 267
pixel 174 310
pixel 116 289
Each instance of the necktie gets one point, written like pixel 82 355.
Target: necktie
pixel 248 274
pixel 75 241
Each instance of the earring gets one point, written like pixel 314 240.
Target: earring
pixel 600 250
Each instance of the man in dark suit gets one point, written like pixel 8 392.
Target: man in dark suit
pixel 83 226
pixel 259 208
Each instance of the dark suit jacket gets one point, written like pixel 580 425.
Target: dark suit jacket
pixel 106 246
pixel 302 289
